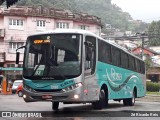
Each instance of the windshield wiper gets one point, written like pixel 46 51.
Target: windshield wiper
pixel 35 69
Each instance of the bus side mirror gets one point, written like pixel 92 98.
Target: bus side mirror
pixel 17 57
pixel 18 54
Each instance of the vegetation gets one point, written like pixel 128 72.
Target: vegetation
pixel 148 63
pixel 109 13
pixel 154 33
pixel 153 87
pixel 153 93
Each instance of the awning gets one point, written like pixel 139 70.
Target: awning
pixel 10 68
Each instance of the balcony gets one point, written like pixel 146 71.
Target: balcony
pixel 2 33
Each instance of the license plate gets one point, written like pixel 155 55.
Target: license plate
pixel 46 96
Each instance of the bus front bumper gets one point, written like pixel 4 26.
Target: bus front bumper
pixel 75 95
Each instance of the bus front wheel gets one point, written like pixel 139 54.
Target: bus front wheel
pixel 55 105
pixel 102 102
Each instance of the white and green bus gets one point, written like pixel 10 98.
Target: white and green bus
pixel 77 66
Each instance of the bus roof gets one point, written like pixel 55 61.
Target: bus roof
pixel 78 31
pixel 65 31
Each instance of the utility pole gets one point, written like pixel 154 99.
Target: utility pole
pixel 142 47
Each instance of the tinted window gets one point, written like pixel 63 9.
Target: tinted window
pixel 131 63
pixel 124 59
pixel 116 56
pixel 142 67
pixel 104 52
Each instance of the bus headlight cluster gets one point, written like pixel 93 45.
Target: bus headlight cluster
pixel 72 87
pixel 28 88
pixel 24 96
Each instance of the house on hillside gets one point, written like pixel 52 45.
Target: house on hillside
pixel 153 73
pixel 155 48
pixel 146 52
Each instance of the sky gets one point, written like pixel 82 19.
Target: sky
pixel 145 10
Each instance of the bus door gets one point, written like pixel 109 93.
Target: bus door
pixel 89 67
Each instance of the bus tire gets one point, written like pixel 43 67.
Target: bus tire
pixel 101 102
pixel 125 102
pixel 55 105
pixel 131 101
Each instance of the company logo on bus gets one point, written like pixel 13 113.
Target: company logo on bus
pixel 115 75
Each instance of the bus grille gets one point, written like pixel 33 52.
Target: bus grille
pixel 57 90
pixel 54 97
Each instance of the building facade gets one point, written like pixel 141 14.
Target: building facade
pixel 17 22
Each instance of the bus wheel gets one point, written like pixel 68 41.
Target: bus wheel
pixel 55 105
pixel 101 102
pixel 125 102
pixel 131 101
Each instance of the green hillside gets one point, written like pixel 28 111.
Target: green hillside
pixel 109 13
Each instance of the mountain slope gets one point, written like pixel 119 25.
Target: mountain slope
pixel 109 13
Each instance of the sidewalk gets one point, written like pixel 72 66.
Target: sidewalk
pixel 149 98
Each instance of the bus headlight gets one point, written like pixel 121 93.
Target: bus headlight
pixel 28 88
pixel 76 96
pixel 24 96
pixel 72 87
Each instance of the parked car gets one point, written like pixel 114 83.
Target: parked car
pixel 15 85
pixel 19 90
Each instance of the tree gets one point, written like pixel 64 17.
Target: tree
pixel 148 63
pixel 154 33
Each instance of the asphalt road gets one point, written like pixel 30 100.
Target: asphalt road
pixel 27 111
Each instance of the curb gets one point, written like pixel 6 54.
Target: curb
pixel 149 98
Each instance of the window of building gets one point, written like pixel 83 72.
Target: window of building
pixel 10 65
pixel 14 45
pixel 41 23
pixel 64 25
pixel 20 65
pixel 84 27
pixel 16 22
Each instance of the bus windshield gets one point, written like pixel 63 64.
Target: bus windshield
pixel 52 56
